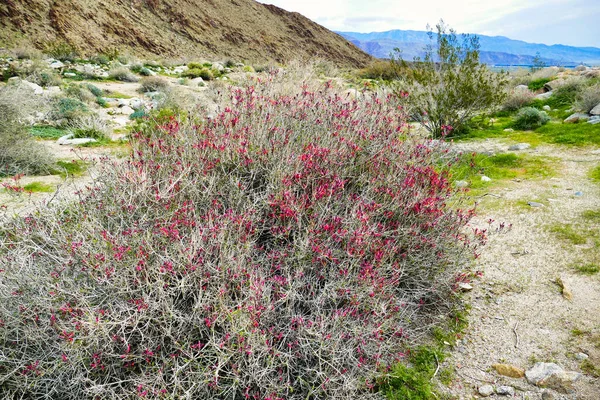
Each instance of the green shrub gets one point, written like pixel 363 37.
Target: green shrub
pixel 538 84
pixel 68 108
pixel 81 92
pixel 95 90
pixel 139 114
pixel 195 65
pixel 566 94
pixel 89 126
pixel 530 118
pixel 449 86
pixel 60 50
pixel 380 69
pixel 145 72
pixel 203 73
pixel 100 59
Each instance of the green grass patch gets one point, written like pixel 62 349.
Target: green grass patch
pixel 501 167
pixel 47 132
pixel 117 95
pixel 69 168
pixel 591 215
pixel 594 174
pixel 538 83
pixel 579 134
pixel 39 187
pixel 569 234
pixel 588 269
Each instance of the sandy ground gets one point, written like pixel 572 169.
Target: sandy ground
pixel 519 315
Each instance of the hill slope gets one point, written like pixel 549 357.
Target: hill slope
pixel 238 29
pixel 494 49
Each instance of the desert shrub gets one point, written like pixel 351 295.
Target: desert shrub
pixel 530 118
pixel 100 59
pixel 20 153
pixel 89 126
pixel 588 98
pixel 517 99
pixel 27 53
pixel 122 74
pixel 81 92
pixel 45 78
pixel 153 84
pixel 229 63
pixel 380 69
pixel 139 114
pixel 95 90
pixel 195 65
pixel 203 73
pixel 567 93
pixel 449 86
pixel 545 73
pixel 538 84
pixel 136 67
pixel 291 247
pixel 68 108
pixel 60 50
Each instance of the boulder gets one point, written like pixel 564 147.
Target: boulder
pixel 505 390
pixel 594 120
pixel 136 103
pixel 520 146
pixel 486 390
pixel 595 110
pixel 37 89
pixel 552 376
pixel 126 110
pixel 544 96
pixel 571 119
pixel 554 84
pixel 56 64
pixel 197 82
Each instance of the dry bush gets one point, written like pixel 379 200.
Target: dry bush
pixel 588 98
pixel 289 248
pixel 122 74
pixel 153 84
pixel 90 126
pixel 545 73
pixel 517 99
pixel 19 152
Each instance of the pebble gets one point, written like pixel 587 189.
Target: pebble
pixel 465 287
pixel 486 390
pixel 552 376
pixel 535 204
pixel 578 194
pixel 505 390
pixel 486 179
pixel 581 356
pixel 520 146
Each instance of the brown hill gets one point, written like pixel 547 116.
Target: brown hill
pixel 236 29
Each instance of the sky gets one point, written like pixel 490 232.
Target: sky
pixel 569 22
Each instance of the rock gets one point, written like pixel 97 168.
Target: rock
pixel 554 84
pixel 218 67
pixel 521 88
pixel 13 80
pixel 546 108
pixel 505 390
pixel 126 110
pixel 70 74
pixel 486 179
pixel 576 118
pixel 136 103
pixel 37 89
pixel 461 184
pixel 53 89
pixel 578 194
pixel 552 376
pixel 486 390
pixel 67 140
pixel 594 120
pixel 520 146
pixel 123 102
pixel 465 287
pixel 566 292
pixel 534 204
pixel 509 130
pixel 56 64
pixel 546 395
pixel 509 370
pixel 581 356
pixel 197 82
pixel 544 96
pixel 595 110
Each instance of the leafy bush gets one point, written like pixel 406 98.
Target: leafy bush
pixel 449 86
pixel 60 50
pixel 196 65
pixel 588 98
pixel 20 153
pixel 530 118
pixel 203 73
pixel 122 74
pixel 381 69
pixel 68 108
pixel 89 126
pixel 517 99
pixel 153 84
pixel 291 247
pixel 95 90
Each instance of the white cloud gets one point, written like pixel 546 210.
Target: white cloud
pixel 520 19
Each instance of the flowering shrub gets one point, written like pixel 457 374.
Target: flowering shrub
pixel 290 248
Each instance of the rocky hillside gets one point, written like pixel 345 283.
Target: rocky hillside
pixel 211 29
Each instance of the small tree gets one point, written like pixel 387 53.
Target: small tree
pixel 449 85
pixel 537 63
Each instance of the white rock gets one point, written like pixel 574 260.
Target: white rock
pixel 136 103
pixel 486 390
pixel 486 179
pixel 581 356
pixel 595 110
pixel 547 107
pixel 123 102
pixel 544 96
pixel 509 130
pixel 465 287
pixel 67 140
pixel 37 89
pixel 576 117
pixel 461 184
pixel 70 74
pixel 505 390
pixel 126 110
pixel 56 64
pixel 218 67
pixel 553 376
pixel 521 88
pixel 520 146
pixel 196 82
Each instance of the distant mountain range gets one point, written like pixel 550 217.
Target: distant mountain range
pixel 496 50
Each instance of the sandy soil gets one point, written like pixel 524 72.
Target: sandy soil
pixel 519 315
